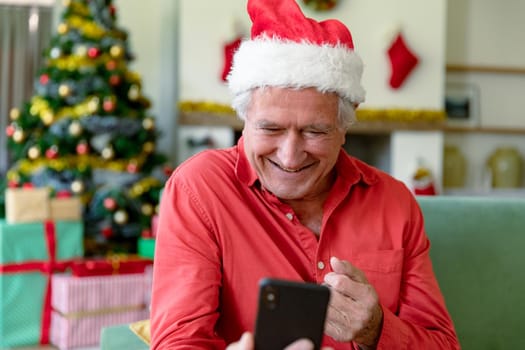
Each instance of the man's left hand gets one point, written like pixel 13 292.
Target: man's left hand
pixel 354 313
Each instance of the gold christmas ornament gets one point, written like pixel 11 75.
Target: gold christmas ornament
pixel 134 92
pixel 75 128
pixel 64 90
pixel 148 123
pixel 81 50
pixel 148 147
pixel 14 114
pixel 120 217
pixel 116 51
pixel 108 152
pixel 77 186
pixel 62 28
pixel 33 152
pixel 147 209
pixel 93 104
pixel 19 136
pixel 137 190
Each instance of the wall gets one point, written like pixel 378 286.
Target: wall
pixel 488 33
pixel 206 27
pixel 153 37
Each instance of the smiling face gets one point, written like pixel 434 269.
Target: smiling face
pixel 292 139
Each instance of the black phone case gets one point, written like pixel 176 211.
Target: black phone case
pixel 296 310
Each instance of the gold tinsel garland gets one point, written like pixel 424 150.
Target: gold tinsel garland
pixel 364 115
pixel 81 163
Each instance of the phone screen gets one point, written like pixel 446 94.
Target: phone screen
pixel 290 310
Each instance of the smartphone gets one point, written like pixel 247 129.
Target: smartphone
pixel 289 310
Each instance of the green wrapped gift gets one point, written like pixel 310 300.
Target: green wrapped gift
pixel 146 247
pixel 29 253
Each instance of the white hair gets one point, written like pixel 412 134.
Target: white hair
pixel 345 110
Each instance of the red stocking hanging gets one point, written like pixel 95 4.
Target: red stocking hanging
pixel 229 50
pixel 402 61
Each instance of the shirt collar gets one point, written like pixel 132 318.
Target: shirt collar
pixel 349 169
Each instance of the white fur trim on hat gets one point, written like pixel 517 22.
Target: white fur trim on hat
pixel 272 62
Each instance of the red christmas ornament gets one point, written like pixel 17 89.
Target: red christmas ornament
pixel 52 152
pixel 112 10
pixel 107 232
pixel 110 203
pixel 93 52
pixel 132 167
pixel 108 105
pixel 167 170
pixel 63 194
pixel 402 61
pixel 111 65
pixel 114 79
pixel 82 148
pixel 229 50
pixel 10 130
pixel 13 184
pixel 146 233
pixel 44 79
pixel 28 185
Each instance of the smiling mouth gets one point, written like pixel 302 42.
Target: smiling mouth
pixel 289 170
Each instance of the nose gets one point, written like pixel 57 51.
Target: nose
pixel 291 151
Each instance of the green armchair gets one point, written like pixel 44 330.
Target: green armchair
pixel 478 253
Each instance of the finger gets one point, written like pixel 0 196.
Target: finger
pixel 245 343
pixel 346 268
pixel 301 344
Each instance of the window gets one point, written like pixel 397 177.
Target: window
pixel 25 30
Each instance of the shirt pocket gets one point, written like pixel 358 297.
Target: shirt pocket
pixel 384 270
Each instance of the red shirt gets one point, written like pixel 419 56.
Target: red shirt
pixel 220 233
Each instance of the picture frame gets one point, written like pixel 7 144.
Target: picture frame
pixel 462 104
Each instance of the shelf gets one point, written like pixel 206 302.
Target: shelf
pixel 485 130
pixel 485 69
pixel 360 127
pixel 376 127
pixel 209 119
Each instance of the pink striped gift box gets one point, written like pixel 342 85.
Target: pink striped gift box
pixel 148 271
pixel 82 306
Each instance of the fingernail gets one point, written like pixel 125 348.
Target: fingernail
pixel 329 277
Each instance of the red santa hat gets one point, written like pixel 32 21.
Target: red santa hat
pixel 287 49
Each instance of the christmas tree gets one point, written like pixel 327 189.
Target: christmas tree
pixel 87 132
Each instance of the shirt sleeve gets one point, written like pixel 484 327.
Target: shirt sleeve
pixel 187 277
pixel 422 321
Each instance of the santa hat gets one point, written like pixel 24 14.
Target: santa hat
pixel 287 49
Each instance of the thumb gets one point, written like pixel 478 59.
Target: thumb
pixel 346 268
pixel 301 344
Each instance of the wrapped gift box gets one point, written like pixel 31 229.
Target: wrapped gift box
pixel 146 247
pixel 35 205
pixel 82 306
pixel 111 265
pixel 65 208
pixel 26 204
pixel 149 285
pixel 29 253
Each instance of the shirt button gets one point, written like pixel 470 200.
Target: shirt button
pixel 320 265
pixel 289 216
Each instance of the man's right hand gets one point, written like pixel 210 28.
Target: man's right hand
pixel 247 343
